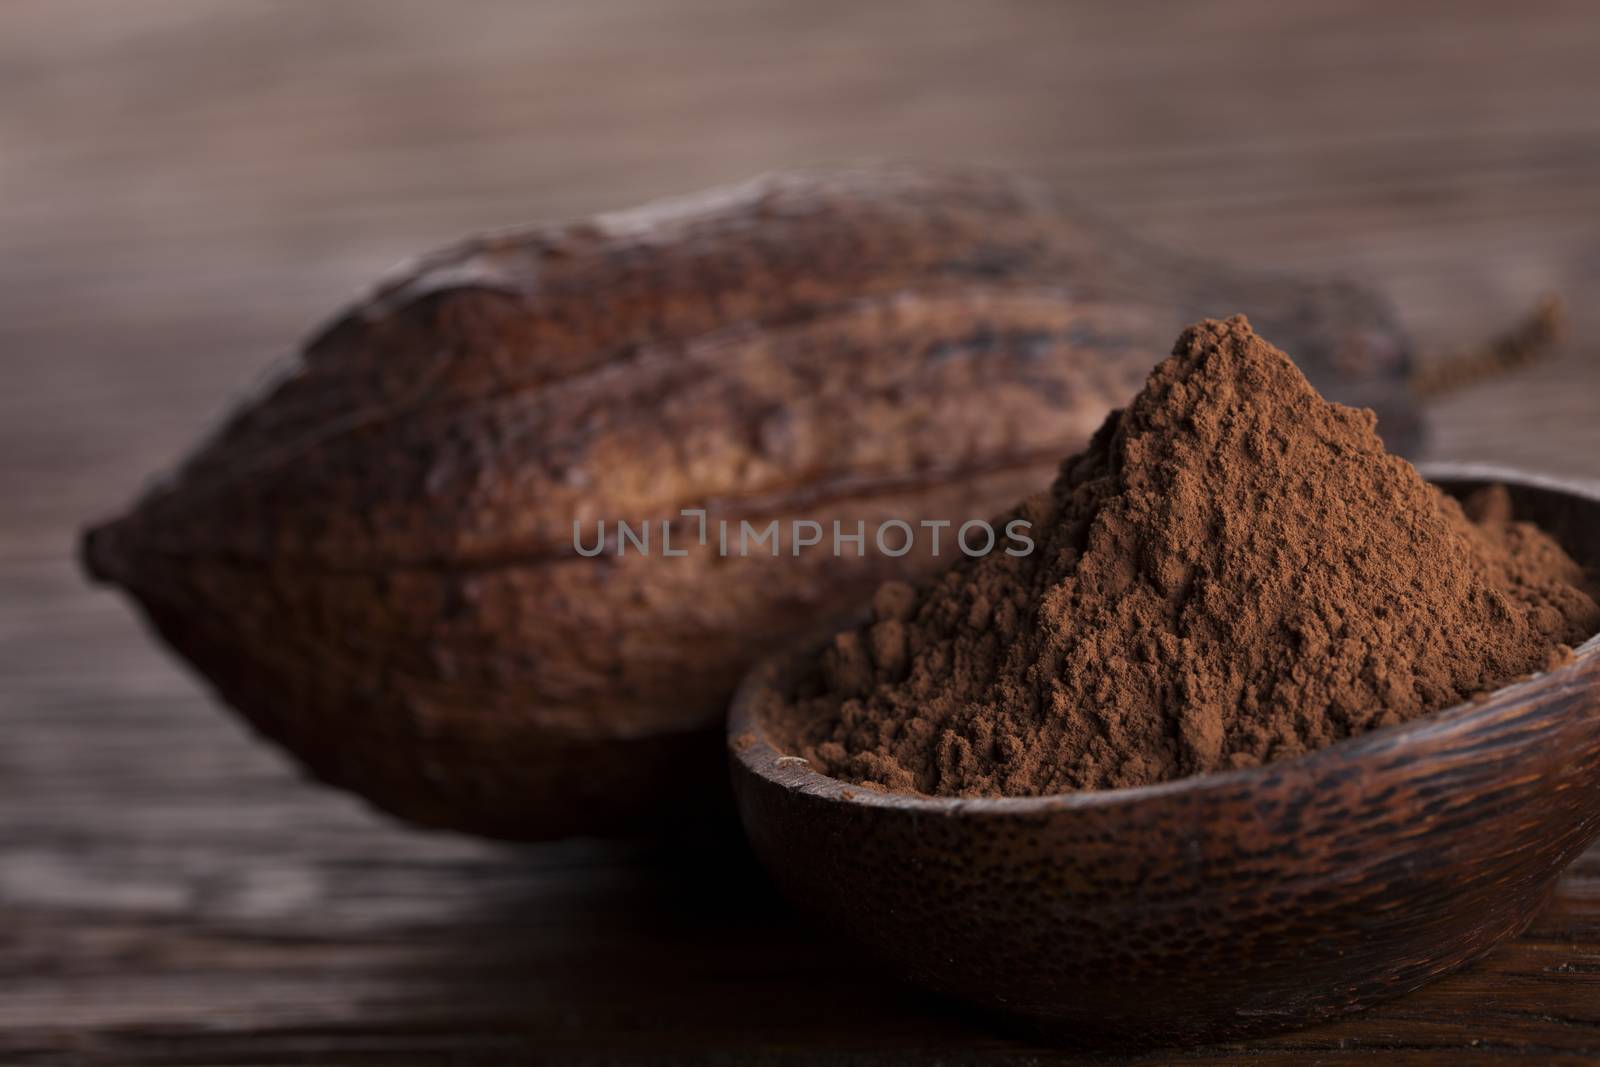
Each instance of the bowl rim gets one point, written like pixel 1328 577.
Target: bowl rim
pixel 749 746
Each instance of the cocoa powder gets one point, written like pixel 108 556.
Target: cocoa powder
pixel 1234 571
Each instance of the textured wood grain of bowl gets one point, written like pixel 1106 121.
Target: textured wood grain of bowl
pixel 1219 905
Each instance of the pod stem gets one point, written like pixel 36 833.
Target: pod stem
pixel 1532 338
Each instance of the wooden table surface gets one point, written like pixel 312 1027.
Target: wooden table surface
pixel 187 188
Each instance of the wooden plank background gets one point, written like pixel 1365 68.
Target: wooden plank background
pixel 186 188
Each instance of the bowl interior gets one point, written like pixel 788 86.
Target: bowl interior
pixel 1569 512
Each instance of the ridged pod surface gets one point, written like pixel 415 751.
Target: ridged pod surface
pixel 374 559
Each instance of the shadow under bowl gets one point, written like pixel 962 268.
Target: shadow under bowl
pixel 1220 905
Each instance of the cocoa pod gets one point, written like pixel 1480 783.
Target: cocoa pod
pixel 374 559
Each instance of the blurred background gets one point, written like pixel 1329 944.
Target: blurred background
pixel 189 187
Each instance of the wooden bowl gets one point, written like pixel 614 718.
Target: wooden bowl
pixel 1218 905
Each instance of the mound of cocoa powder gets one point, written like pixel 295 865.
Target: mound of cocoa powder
pixel 1234 571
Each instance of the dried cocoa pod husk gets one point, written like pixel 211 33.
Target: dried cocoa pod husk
pixel 373 559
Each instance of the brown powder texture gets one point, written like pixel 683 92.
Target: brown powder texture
pixel 1234 571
